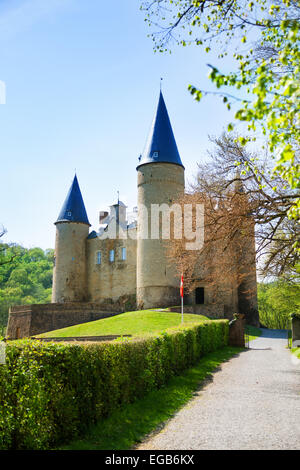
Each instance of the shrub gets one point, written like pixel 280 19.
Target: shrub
pixel 51 393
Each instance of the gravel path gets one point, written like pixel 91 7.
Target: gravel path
pixel 253 402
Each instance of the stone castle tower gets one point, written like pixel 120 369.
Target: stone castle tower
pixel 160 181
pixel 72 229
pixel 132 269
pixel 122 266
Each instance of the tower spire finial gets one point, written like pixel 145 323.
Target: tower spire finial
pixel 161 79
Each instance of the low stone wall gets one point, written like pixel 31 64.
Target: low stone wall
pixel 215 311
pixel 82 339
pixel 28 320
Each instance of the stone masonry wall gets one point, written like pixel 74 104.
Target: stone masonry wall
pixel 27 320
pixel 157 279
pixel 114 280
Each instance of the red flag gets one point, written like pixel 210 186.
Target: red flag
pixel 181 286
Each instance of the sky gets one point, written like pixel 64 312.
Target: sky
pixel 82 83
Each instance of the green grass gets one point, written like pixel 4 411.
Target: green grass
pixel 253 332
pixel 296 352
pixel 129 425
pixel 136 323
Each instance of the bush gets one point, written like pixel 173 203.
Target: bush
pixel 50 393
pixel 276 302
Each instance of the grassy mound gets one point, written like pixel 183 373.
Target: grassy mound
pixel 141 322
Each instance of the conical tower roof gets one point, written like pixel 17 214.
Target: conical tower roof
pixel 161 145
pixel 73 209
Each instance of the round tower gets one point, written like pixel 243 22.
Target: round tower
pixel 72 229
pixel 160 181
pixel 246 259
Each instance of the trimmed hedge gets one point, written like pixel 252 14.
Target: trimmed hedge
pixel 50 393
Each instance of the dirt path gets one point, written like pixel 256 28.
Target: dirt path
pixel 253 402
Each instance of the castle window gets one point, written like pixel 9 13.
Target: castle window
pixel 98 257
pixel 123 254
pixel 112 256
pixel 155 155
pixel 199 295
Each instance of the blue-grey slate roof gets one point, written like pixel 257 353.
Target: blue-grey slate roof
pixel 93 234
pixel 161 145
pixel 73 209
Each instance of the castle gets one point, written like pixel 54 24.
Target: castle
pixel 119 269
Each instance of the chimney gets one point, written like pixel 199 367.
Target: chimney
pixel 102 216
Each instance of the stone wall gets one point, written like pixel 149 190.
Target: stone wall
pixel 69 274
pixel 28 320
pixel 213 311
pixel 157 279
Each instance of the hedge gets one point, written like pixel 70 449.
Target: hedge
pixel 51 392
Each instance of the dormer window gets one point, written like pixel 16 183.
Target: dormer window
pixel 155 155
pixel 69 213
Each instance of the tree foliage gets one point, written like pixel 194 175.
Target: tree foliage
pixel 25 277
pixel 277 301
pixel 267 57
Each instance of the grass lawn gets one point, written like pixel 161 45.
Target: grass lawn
pixel 135 323
pixel 253 332
pixel 130 424
pixel 296 352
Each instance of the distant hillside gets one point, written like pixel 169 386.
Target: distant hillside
pixel 25 277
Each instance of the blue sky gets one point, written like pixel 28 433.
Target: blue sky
pixel 82 84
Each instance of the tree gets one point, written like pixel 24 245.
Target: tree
pixel 239 190
pixel 267 68
pixel 7 256
pixel 25 277
pixel 277 300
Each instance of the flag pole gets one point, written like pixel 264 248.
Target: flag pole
pixel 181 309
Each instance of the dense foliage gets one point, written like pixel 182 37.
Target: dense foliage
pixel 277 301
pixel 25 277
pixel 50 393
